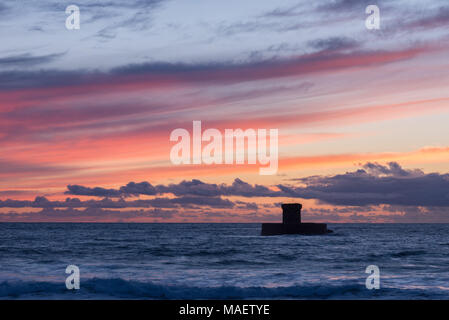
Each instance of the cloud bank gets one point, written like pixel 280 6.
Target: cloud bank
pixel 398 192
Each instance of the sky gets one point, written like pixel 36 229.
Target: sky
pixel 86 115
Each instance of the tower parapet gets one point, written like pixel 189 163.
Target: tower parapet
pixel 291 213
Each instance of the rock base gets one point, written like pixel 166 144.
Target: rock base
pixel 273 229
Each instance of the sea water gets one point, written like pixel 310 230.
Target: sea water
pixel 222 261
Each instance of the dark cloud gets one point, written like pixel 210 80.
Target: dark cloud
pixel 86 215
pixel 247 205
pixel 376 184
pixel 392 214
pixel 437 18
pixel 291 11
pixel 178 202
pixel 94 214
pixel 244 189
pixel 215 202
pixel 195 188
pixel 97 191
pixel 335 6
pixel 333 43
pixel 384 214
pixel 392 169
pixel 238 188
pixel 403 195
pixel 94 8
pixel 191 188
pixel 27 59
pixel 135 189
pixel 220 72
pixel 106 33
pixel 46 79
pixel 36 28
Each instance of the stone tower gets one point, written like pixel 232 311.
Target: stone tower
pixel 291 223
pixel 291 213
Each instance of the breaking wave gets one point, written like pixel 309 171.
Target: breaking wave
pixel 117 288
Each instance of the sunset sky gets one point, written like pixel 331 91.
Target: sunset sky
pixel 86 115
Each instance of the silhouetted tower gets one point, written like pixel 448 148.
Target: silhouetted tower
pixel 291 213
pixel 291 223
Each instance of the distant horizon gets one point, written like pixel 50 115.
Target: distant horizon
pixel 99 222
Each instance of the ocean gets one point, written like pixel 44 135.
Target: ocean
pixel 222 261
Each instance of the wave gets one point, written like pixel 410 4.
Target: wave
pixel 210 252
pixel 117 288
pixel 408 253
pixel 398 254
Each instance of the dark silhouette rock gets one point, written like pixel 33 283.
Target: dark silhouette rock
pixel 291 223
